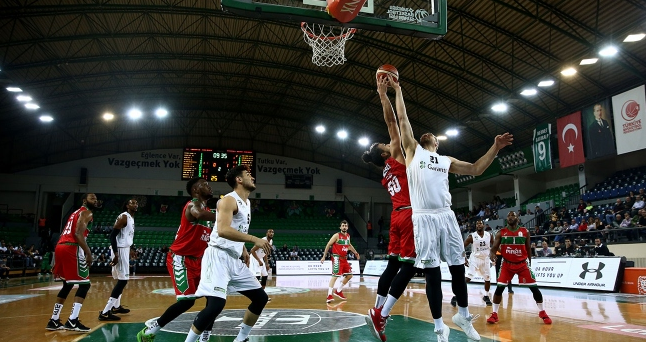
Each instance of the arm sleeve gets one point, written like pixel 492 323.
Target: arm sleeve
pixel 113 241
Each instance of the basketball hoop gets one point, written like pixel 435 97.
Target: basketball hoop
pixel 327 42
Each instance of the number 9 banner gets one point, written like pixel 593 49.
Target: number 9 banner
pixel 542 149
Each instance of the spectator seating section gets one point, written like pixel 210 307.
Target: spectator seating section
pixel 620 184
pixel 555 194
pixel 107 218
pixel 15 234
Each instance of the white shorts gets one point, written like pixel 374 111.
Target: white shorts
pixel 223 273
pixel 121 271
pixel 437 238
pixel 479 267
pixel 256 269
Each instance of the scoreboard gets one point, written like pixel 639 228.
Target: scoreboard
pixel 213 165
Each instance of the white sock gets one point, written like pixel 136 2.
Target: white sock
pixel 495 307
pixel 206 335
pixel 380 301
pixel 244 332
pixel 464 312
pixel 76 309
pixel 339 287
pixel 109 306
pixel 57 311
pixel 118 303
pixel 153 328
pixel 329 291
pixel 192 336
pixel 439 324
pixel 388 305
pixel 540 306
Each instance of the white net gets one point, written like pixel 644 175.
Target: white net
pixel 327 42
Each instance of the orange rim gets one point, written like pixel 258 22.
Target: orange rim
pixel 313 36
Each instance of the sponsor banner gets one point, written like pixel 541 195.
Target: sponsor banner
pixel 570 139
pixel 574 273
pixel 598 130
pixel 311 282
pixel 629 118
pixel 375 267
pixel 634 281
pixel 541 148
pixel 310 267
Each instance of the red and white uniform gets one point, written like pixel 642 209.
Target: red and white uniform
pixel 514 257
pixel 70 262
pixel 185 257
pixel 340 264
pixel 402 242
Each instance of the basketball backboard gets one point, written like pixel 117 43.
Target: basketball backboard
pixel 420 18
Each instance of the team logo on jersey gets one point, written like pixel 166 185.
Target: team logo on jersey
pixel 422 164
pixel 520 234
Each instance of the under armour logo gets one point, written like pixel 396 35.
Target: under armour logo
pixel 592 270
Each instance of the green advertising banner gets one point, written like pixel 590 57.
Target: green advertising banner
pixel 542 149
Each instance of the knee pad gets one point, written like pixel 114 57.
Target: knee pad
pixel 65 291
pixel 206 317
pixel 499 290
pixel 263 281
pixel 82 291
pixel 538 296
pixel 258 298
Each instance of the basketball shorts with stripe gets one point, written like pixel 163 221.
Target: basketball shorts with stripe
pixel 437 238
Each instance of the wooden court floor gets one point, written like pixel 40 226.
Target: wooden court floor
pixel 298 312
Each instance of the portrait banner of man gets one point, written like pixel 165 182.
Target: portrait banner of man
pixel 598 131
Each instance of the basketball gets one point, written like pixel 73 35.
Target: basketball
pixel 388 69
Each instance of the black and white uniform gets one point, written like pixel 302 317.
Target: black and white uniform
pixel 437 234
pixel 222 270
pixel 479 262
pixel 259 271
pixel 121 271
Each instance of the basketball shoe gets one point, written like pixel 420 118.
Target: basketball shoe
pixel 329 299
pixel 75 325
pixel 339 294
pixel 109 316
pixel 545 317
pixel 143 337
pixel 493 318
pixel 443 335
pixel 120 310
pixel 466 324
pixel 377 323
pixel 54 324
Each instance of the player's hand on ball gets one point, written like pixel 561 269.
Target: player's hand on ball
pixel 393 83
pixel 115 260
pixel 504 140
pixel 382 86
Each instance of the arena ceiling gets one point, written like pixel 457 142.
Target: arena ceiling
pixel 239 83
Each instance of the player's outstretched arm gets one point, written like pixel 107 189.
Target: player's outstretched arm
pixel 226 207
pixel 494 248
pixel 333 239
pixel 477 168
pixel 407 137
pixel 391 120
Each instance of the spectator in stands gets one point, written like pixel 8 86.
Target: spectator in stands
pixel 3 248
pixel 638 205
pixel 628 203
pixel 165 249
pixel 101 258
pixel 293 255
pixel 565 215
pixel 545 251
pixel 139 250
pixel 588 208
pixel 559 250
pixel 539 215
pixel 627 224
pixel 4 269
pixel 285 248
pixel 580 207
pixel 369 228
pixel 569 248
pixel 371 254
pixel 642 218
pixel 481 213
pixel 528 212
pixel 600 249
pixel 574 227
pixel 532 250
pixel 616 224
pixel 642 193
pixel 631 194
pixel 583 227
pixel 618 208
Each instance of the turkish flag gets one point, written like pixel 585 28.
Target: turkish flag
pixel 570 140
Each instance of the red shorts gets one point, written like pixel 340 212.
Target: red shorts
pixel 508 270
pixel 402 241
pixel 340 266
pixel 185 274
pixel 70 265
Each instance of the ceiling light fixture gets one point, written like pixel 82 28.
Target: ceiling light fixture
pixel 46 118
pixel 529 92
pixel 499 107
pixel 14 89
pixel 135 114
pixel 108 116
pixel 364 141
pixel 608 51
pixel 31 106
pixel 568 72
pixel 441 137
pixel 342 134
pixel 634 37
pixel 161 112
pixel 452 132
pixel 546 83
pixel 320 129
pixel 588 61
pixel 24 98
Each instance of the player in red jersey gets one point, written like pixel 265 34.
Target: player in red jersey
pixel 72 264
pixel 185 256
pixel 340 243
pixel 401 248
pixel 514 242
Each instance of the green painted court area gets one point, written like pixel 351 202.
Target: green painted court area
pixel 399 329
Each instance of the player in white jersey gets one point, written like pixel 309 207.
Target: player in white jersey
pixel 259 263
pixel 222 269
pixel 120 242
pixel 436 230
pixel 479 262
